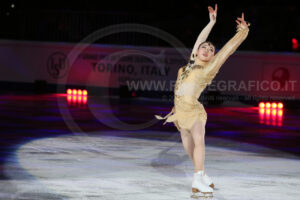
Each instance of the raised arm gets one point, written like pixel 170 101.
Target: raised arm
pixel 205 32
pixel 228 49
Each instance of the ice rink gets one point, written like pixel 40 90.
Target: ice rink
pixel 82 166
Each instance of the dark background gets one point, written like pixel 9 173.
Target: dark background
pixel 273 22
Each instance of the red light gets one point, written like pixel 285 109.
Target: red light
pixel 74 91
pixel 295 44
pixel 262 111
pixel 69 91
pixel 84 92
pixel 76 96
pixel 261 104
pixel 271 113
pixel 84 100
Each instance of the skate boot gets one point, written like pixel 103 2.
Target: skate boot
pixel 208 181
pixel 199 188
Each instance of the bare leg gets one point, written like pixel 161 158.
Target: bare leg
pixel 198 133
pixel 187 142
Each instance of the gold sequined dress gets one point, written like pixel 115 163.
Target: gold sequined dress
pixel 193 78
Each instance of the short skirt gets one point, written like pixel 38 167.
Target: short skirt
pixel 186 111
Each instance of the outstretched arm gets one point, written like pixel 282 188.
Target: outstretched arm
pixel 205 32
pixel 228 49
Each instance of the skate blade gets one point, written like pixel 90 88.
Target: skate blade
pixel 195 190
pixel 198 195
pixel 201 196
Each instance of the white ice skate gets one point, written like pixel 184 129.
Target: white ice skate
pixel 208 181
pixel 199 188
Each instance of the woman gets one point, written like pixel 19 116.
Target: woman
pixel 189 115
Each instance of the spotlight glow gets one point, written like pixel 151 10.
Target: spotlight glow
pixel 74 91
pixel 69 91
pixel 261 104
pixel 77 97
pixel 270 113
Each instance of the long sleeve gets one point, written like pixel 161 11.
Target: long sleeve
pixel 203 36
pixel 229 48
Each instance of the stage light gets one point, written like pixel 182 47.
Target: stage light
pixel 267 117
pixel 280 105
pixel 261 104
pixel 295 44
pixel 85 92
pixel 74 91
pixel 84 100
pixel 280 112
pixel 69 91
pixel 271 113
pixel 76 97
pixel 262 111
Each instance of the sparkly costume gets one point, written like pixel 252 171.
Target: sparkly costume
pixel 193 78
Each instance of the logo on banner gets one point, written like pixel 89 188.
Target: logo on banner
pixel 57 65
pixel 282 75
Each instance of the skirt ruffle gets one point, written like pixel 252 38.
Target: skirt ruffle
pixel 186 111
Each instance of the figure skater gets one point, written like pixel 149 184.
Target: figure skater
pixel 189 115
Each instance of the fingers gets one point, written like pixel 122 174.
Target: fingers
pixel 241 18
pixel 212 10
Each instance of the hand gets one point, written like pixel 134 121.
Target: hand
pixel 241 20
pixel 213 13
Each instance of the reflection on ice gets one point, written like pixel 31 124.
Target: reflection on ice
pixel 82 167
